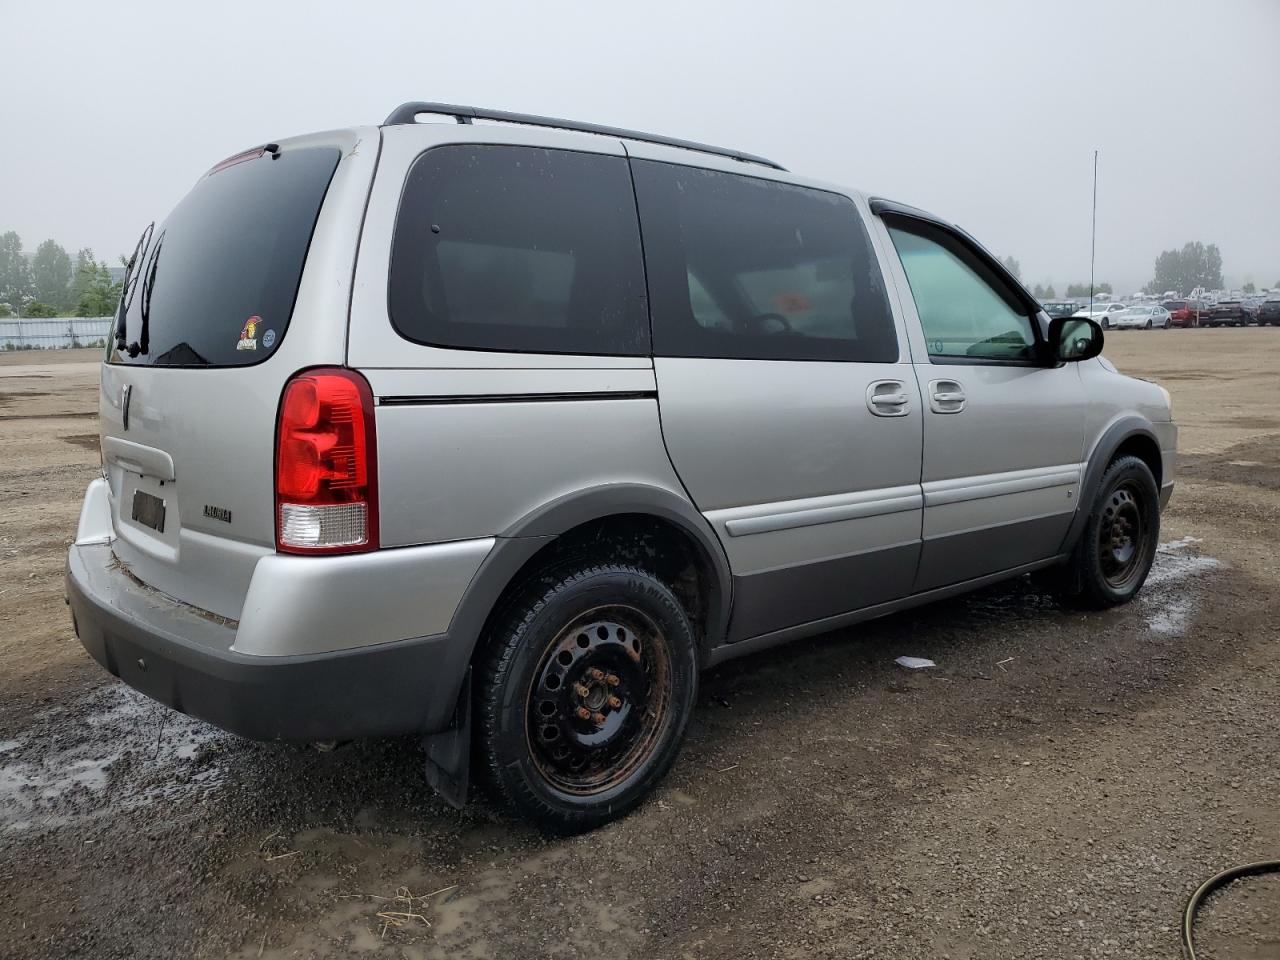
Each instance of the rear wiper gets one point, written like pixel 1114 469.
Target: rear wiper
pixel 148 287
pixel 129 284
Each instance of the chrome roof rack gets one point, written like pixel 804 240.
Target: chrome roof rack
pixel 408 113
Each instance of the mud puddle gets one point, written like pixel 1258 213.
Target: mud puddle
pixel 1173 591
pixel 112 751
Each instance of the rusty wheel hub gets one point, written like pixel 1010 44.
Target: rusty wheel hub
pixel 599 699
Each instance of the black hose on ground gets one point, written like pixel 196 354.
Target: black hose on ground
pixel 1210 885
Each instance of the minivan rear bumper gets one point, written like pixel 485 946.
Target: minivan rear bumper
pixel 182 657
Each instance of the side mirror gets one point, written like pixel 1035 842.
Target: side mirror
pixel 1073 339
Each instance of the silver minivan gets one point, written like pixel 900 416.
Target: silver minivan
pixel 498 431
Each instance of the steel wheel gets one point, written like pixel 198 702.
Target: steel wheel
pixel 599 700
pixel 1120 540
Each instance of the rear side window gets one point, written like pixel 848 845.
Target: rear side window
pixel 519 249
pixel 216 285
pixel 746 268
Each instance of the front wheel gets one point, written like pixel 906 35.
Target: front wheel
pixel 1113 556
pixel 585 693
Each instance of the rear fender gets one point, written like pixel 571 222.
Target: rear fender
pixel 448 747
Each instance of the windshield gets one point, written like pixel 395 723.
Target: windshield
pixel 217 284
pixel 1174 304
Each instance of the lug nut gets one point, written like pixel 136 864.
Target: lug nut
pixel 581 690
pixel 595 673
pixel 612 680
pixel 614 703
pixel 584 713
pixel 598 718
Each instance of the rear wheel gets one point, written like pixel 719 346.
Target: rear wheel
pixel 585 694
pixel 1113 556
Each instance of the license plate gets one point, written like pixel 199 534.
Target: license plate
pixel 148 510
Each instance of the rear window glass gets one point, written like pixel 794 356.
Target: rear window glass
pixel 747 268
pixel 519 249
pixel 216 285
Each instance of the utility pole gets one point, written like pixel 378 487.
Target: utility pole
pixel 1093 238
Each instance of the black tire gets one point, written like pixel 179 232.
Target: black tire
pixel 1111 560
pixel 607 638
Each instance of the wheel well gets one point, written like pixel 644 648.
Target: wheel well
pixel 1145 449
pixel 652 543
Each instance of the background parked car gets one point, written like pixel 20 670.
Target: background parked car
pixel 1142 317
pixel 1227 313
pixel 1269 312
pixel 1184 313
pixel 1060 308
pixel 1103 313
pixel 1251 307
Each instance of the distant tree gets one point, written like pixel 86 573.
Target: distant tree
pixel 1212 276
pixel 1013 266
pixel 1249 288
pixel 1049 294
pixel 15 272
pixel 5 310
pixel 86 271
pixel 37 308
pixel 1082 289
pixel 1195 265
pixel 1038 291
pixel 51 275
pixel 101 293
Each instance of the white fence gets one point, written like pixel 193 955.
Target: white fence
pixel 53 332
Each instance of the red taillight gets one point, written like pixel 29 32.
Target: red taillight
pixel 326 464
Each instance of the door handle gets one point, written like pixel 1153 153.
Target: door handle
pixel 888 398
pixel 946 396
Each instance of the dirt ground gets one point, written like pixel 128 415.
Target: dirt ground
pixel 1056 788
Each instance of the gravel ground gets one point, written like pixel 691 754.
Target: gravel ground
pixel 1056 788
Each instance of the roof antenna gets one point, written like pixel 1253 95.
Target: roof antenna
pixel 1093 238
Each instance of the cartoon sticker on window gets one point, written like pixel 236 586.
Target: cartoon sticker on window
pixel 249 334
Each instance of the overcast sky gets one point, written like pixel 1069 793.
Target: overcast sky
pixel 986 113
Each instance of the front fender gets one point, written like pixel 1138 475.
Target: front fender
pixel 1120 431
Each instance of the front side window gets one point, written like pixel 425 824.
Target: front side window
pixel 519 249
pixel 745 268
pixel 966 312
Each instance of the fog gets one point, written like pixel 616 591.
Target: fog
pixel 988 116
